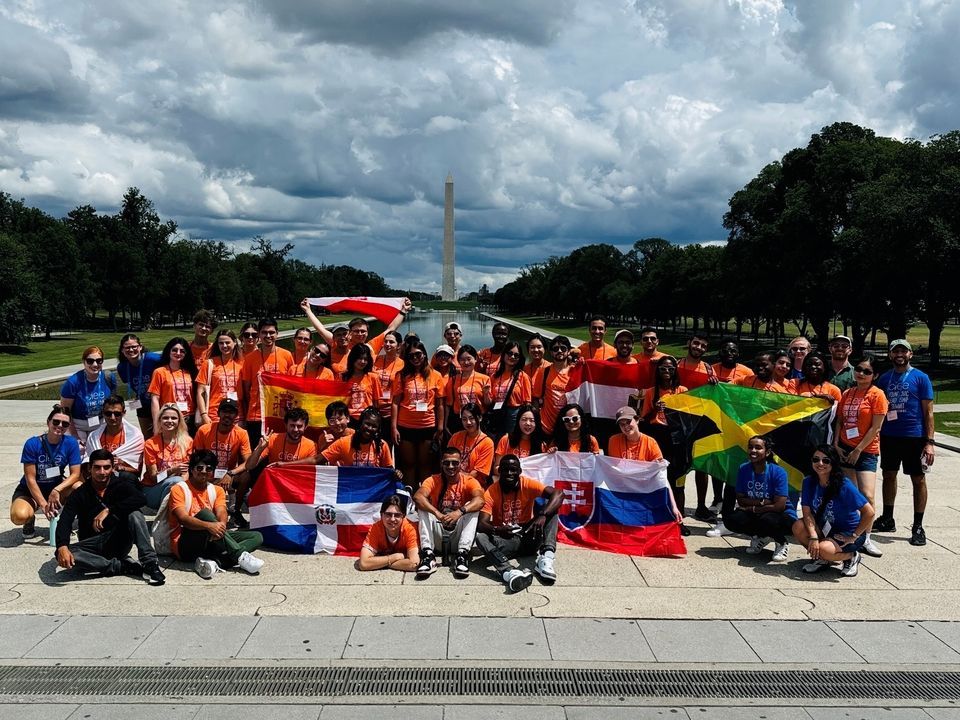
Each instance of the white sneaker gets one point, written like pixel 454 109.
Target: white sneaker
pixel 719 530
pixel 757 544
pixel 206 568
pixel 851 566
pixel 544 567
pixel 870 548
pixel 816 566
pixel 780 552
pixel 516 580
pixel 249 563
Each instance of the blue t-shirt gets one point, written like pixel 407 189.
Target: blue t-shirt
pixel 138 378
pixel 904 392
pixel 769 484
pixel 842 513
pixel 87 396
pixel 40 452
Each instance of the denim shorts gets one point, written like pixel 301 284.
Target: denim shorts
pixel 867 462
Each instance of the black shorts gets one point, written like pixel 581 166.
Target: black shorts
pixel 416 435
pixel 897 451
pixel 23 492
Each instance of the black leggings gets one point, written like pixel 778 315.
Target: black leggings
pixel 776 525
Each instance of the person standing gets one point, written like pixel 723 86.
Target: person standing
pixel 268 358
pixel 797 350
pixel 488 360
pixel 840 371
pixel 204 323
pixel 135 367
pixel 906 438
pixel 596 348
pixel 82 394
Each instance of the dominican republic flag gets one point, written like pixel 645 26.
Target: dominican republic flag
pixel 318 509
pixel 601 387
pixel 612 504
pixel 383 309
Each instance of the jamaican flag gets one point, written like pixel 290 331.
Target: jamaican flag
pixel 714 422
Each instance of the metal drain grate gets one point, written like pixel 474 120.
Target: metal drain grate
pixel 422 683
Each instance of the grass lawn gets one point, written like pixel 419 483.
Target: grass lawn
pixel 948 423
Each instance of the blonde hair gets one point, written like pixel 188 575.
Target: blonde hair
pixel 182 437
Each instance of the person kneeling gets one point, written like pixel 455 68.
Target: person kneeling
pixel 449 504
pixel 107 508
pixel 508 526
pixel 391 541
pixel 198 523
pixel 764 510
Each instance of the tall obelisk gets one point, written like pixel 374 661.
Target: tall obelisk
pixel 449 287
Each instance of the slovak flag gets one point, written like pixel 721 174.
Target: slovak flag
pixel 612 504
pixel 601 387
pixel 383 309
pixel 318 509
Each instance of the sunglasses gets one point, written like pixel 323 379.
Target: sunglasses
pixel 201 468
pixel 113 413
pixel 512 354
pixel 415 356
pixel 648 339
pixel 319 353
pixel 450 463
pixel 250 334
pixel 93 361
pixel 822 460
pixel 130 348
pixel 393 515
pixel 571 419
pixel 558 348
pixel 178 351
pixel 60 423
pixel 863 370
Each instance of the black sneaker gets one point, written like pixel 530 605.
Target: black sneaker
pixel 704 514
pixel 130 567
pixel 153 575
pixel 884 524
pixel 239 520
pixel 427 566
pixel 684 530
pixel 918 537
pixel 461 566
pixel 29 528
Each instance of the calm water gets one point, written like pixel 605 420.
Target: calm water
pixel 476 330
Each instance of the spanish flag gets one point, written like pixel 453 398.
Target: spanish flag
pixel 714 423
pixel 279 393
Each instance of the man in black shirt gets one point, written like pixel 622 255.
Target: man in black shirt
pixel 107 509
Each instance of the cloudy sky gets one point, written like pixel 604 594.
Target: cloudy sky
pixel 332 124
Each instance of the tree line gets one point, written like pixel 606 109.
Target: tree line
pixel 58 273
pixel 853 227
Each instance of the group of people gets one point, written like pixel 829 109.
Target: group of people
pixel 454 424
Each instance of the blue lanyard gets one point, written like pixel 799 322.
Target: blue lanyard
pixel 49 449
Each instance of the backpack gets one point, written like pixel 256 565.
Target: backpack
pixel 161 523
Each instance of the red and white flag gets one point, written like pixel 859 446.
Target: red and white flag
pixel 601 387
pixel 383 309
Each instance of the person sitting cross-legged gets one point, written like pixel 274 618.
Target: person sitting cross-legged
pixel 448 505
pixel 107 510
pixel 198 523
pixel 510 526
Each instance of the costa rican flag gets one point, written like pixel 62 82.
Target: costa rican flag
pixel 319 509
pixel 383 309
pixel 611 504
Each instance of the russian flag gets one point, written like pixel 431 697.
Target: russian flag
pixel 383 309
pixel 318 509
pixel 611 504
pixel 601 387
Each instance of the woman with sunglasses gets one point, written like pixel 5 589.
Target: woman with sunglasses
pixel 135 367
pixel 469 386
pixel 315 365
pixel 836 516
pixel 510 387
pixel 365 384
pixel 166 456
pixel 51 469
pixel 302 340
pixel 249 335
pixel 474 445
pixel 173 382
pixel 82 394
pixel 417 414
pixel 550 393
pixel 219 376
pixel 860 416
pixel 572 433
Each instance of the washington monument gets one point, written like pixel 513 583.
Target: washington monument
pixel 449 287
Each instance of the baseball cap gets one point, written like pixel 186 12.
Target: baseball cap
pixel 897 343
pixel 228 404
pixel 841 337
pixel 446 349
pixel 453 326
pixel 623 332
pixel 626 412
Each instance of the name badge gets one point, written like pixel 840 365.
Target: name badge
pixel 182 405
pixel 93 421
pixel 134 404
pixel 827 527
pixel 161 476
pixel 231 396
pixel 892 415
pixel 851 433
pixel 498 405
pixel 52 472
pixel 422 406
pixel 220 473
pixel 385 394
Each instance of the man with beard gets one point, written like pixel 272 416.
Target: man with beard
pixel 840 371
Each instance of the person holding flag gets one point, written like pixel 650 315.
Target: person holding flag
pixel 358 328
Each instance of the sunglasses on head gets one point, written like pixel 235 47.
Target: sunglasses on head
pixel 93 361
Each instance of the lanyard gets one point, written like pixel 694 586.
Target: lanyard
pixel 283 450
pixel 49 448
pixel 139 386
pixel 85 395
pixel 167 457
pixel 231 385
pixel 177 388
pixel 263 360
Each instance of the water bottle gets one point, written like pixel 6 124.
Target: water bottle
pixel 53 530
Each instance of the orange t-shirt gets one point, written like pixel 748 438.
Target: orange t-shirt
pixel 555 396
pixel 379 542
pixel 461 390
pixel 521 393
pixel 338 359
pixel 457 495
pixel 326 438
pixel 517 507
pixel 646 448
pixel 731 375
pixel 804 389
pixel 536 378
pixel 280 448
pixel 413 391
pixel 856 412
pixel 604 352
pixel 318 373
pixel 771 385
pixel 385 371
pixel 277 360
pixel 341 452
pixel 491 358
pixel 232 447
pixel 364 393
pixel 158 453
pixel 199 500
pixel 173 387
pixel 200 353
pixel 575 446
pixel 224 382
pixel 659 418
pixel 505 448
pixel 111 442
pixel 475 454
